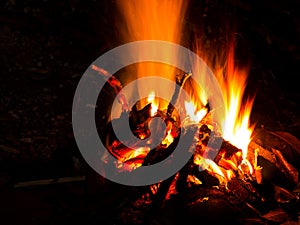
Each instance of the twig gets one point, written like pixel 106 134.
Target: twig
pixel 49 181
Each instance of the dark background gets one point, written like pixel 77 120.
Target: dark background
pixel 46 46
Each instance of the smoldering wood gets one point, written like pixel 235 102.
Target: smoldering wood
pixel 286 143
pixel 137 117
pixel 283 158
pixel 116 85
pixel 290 171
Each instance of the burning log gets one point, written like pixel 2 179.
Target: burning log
pixel 225 149
pixel 251 186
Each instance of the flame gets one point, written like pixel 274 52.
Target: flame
pixel 194 116
pixel 163 20
pixel 168 139
pixel 152 20
pixel 154 103
pixel 170 135
pixel 234 123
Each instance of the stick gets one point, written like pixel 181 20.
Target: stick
pixel 116 85
pixel 180 84
pixel 49 181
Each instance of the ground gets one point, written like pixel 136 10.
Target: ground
pixel 46 46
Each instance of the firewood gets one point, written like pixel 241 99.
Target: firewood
pixel 217 143
pixel 263 152
pixel 285 142
pixel 138 117
pixel 285 171
pixel 258 174
pixel 286 167
pixel 246 193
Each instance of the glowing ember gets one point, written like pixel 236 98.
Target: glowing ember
pixel 193 179
pixel 129 159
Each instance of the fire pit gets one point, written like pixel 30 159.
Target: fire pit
pixel 255 186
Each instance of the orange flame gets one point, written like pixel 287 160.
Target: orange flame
pixel 153 20
pixel 235 122
pixel 130 159
pixel 163 20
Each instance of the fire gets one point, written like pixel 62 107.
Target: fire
pixel 154 103
pixel 168 139
pixel 163 20
pixel 194 116
pixel 235 122
pixel 132 158
pixel 152 20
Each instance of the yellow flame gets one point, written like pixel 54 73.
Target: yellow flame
pixel 168 139
pixel 193 179
pixel 234 124
pixel 194 116
pixel 154 103
pixel 211 167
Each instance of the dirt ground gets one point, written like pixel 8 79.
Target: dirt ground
pixel 47 45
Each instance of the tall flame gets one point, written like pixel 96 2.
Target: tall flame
pixel 153 20
pixel 235 123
